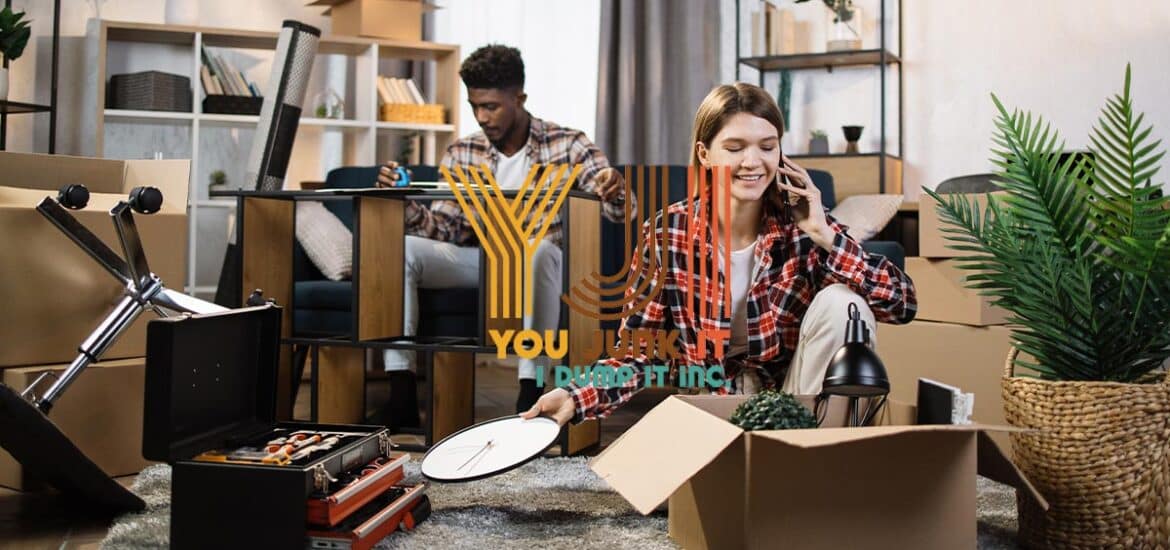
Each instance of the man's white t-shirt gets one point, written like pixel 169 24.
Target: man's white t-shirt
pixel 511 171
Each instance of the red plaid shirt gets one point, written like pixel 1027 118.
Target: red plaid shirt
pixel 790 270
pixel 548 143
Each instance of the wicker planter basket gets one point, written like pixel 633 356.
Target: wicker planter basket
pixel 1099 452
pixel 417 114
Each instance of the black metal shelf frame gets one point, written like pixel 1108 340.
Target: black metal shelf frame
pixel 21 108
pixel 885 58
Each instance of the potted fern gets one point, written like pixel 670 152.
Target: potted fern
pixel 1079 254
pixel 14 34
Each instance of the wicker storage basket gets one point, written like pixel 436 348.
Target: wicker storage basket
pixel 418 114
pixel 150 91
pixel 1099 452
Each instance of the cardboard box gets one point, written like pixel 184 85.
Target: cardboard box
pixel 943 295
pixel 895 485
pixel 393 19
pixel 54 293
pixel 101 413
pixel 932 242
pixel 969 358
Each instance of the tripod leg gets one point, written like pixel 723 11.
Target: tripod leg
pixel 92 349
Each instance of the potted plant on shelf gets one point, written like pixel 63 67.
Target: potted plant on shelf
pixel 14 34
pixel 218 181
pixel 843 22
pixel 1079 254
pixel 818 143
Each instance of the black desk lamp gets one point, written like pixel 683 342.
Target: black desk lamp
pixel 855 372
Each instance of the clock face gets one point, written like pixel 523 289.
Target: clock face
pixel 489 448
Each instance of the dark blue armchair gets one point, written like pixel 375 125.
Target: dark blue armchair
pixel 324 308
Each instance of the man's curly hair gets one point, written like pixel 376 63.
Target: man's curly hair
pixel 494 66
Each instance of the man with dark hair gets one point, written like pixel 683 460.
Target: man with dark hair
pixel 441 247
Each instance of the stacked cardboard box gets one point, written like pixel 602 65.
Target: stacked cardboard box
pixel 393 19
pixel 55 295
pixel 958 337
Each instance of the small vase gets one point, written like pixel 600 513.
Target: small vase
pixel 843 26
pixel 3 84
pixel 818 146
pixel 852 134
pixel 328 104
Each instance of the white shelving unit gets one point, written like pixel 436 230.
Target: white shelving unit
pixel 353 141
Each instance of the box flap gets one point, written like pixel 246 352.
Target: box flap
pixel 824 437
pixel 995 465
pixel 50 172
pixel 172 177
pixel 209 378
pixel 668 446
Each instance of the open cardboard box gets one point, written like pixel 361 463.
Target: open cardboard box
pixel 54 293
pixel 892 485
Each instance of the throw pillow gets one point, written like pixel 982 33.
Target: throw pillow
pixel 327 241
pixel 866 215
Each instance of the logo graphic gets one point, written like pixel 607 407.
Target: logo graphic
pixel 510 227
pixel 510 230
pixel 617 296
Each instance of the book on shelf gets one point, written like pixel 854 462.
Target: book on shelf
pixel 399 91
pixel 220 77
pixel 773 31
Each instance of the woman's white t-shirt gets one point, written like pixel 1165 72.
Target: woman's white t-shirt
pixel 743 264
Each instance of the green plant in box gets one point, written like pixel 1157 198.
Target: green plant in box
pixel 772 410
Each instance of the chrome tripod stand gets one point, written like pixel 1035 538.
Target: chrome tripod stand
pixel 25 430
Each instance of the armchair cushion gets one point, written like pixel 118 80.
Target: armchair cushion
pixel 866 215
pixel 326 240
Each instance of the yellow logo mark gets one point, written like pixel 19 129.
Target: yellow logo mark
pixel 510 230
pixel 617 302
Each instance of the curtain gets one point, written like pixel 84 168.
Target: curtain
pixel 658 60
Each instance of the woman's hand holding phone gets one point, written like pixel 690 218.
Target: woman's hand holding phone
pixel 804 198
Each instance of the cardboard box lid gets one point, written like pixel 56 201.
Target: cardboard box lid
pixel 633 465
pixel 208 378
pixel 50 172
pixel 693 430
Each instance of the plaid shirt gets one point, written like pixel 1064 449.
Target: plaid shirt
pixel 790 270
pixel 548 143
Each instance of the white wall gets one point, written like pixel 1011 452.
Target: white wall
pixel 558 40
pixel 1057 58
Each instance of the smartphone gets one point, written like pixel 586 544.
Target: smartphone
pixel 787 213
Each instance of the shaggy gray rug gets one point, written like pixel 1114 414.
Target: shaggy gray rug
pixel 548 503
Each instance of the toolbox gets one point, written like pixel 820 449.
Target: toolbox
pixel 240 478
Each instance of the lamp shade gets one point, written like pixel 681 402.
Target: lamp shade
pixel 855 370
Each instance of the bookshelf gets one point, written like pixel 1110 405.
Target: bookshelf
pixel 221 141
pixel 877 171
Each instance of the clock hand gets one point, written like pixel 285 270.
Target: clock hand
pixel 477 453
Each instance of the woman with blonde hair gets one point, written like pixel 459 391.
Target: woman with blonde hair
pixel 793 269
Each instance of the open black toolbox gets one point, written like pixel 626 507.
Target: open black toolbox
pixel 210 390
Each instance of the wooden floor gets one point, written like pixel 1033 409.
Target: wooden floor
pixel 36 521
